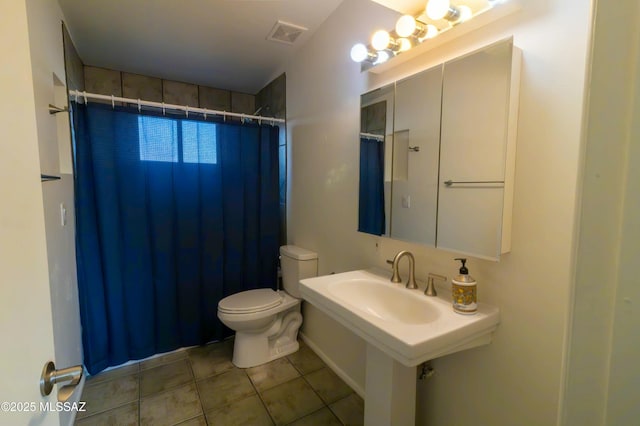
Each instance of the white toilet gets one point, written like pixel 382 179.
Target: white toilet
pixel 266 322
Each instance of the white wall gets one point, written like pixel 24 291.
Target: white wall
pixel 520 373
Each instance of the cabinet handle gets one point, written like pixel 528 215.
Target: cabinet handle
pixel 492 183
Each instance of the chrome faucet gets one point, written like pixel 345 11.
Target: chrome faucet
pixel 411 282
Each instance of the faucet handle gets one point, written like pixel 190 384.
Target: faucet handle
pixel 431 288
pixel 389 261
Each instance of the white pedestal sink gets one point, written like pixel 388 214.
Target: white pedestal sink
pixel 402 328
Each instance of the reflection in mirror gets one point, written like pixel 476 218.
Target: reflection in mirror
pixel 416 150
pixel 376 126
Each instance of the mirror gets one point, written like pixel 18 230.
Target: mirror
pixel 443 176
pixel 475 190
pixel 416 148
pixel 376 128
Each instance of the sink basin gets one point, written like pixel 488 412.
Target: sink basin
pixel 383 301
pixel 404 324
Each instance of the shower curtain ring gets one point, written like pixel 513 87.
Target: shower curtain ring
pixel 113 103
pixel 85 97
pixel 139 107
pixel 186 109
pixel 163 110
pixel 224 116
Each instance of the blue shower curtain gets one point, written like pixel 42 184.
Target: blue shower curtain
pixel 172 215
pixel 371 215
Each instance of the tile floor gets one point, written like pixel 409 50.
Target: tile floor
pixel 201 386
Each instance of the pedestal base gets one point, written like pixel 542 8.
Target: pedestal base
pixel 390 391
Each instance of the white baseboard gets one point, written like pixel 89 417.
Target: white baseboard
pixel 332 365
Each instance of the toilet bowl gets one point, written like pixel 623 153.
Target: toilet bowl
pixel 266 321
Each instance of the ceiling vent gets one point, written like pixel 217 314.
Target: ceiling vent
pixel 284 32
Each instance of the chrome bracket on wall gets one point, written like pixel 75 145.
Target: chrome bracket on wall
pixel 51 376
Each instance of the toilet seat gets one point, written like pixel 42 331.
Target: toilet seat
pixel 250 301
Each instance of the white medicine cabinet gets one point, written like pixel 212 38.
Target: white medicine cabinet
pixel 449 158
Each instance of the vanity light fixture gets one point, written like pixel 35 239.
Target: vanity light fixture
pixel 442 9
pixel 410 31
pixel 408 26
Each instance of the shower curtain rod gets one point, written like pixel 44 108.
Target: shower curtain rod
pixel 374 136
pixel 187 109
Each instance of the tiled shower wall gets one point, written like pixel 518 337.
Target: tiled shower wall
pixel 270 101
pixel 111 82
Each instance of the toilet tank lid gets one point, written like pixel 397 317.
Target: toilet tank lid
pixel 298 253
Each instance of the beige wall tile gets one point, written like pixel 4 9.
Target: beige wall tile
pixel 178 93
pixel 136 86
pixel 217 99
pixel 243 103
pixel 74 68
pixel 102 81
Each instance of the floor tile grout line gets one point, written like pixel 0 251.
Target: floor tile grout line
pixel 326 404
pixel 195 385
pixel 212 375
pixel 228 403
pixel 139 395
pixel 104 411
pixel 260 398
pixel 193 379
pixel 334 413
pixel 311 414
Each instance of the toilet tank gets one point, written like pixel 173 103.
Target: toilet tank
pixel 297 264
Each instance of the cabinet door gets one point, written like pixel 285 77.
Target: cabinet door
pixel 416 146
pixel 475 161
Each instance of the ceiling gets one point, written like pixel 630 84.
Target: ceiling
pixel 411 7
pixel 216 43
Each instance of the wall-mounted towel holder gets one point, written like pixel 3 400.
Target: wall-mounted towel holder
pixel 56 109
pixel 46 178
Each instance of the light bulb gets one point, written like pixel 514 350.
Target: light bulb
pixel 404 44
pixel 406 26
pixel 359 52
pixel 465 13
pixel 383 56
pixel 431 31
pixel 380 40
pixel 438 9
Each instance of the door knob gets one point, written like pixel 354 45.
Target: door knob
pixel 50 376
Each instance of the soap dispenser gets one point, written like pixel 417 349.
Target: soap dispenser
pixel 464 291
